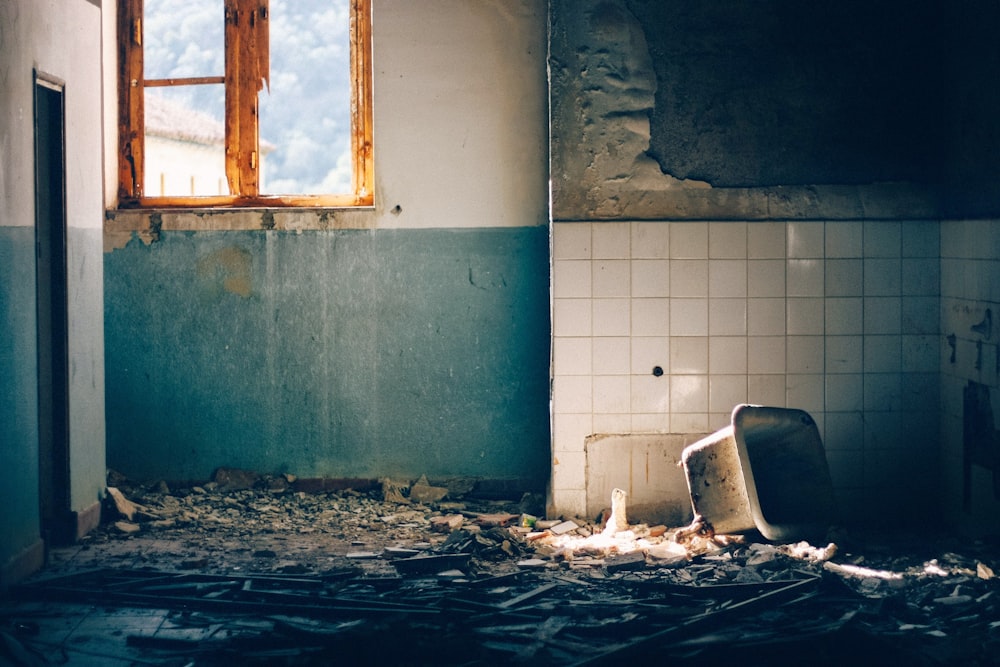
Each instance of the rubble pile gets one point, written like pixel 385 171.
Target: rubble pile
pixel 457 580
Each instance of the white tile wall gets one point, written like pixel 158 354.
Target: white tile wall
pixel 662 327
pixel 650 317
pixel 766 278
pixel 970 284
pixel 727 317
pixel 689 240
pixel 766 240
pixel 727 240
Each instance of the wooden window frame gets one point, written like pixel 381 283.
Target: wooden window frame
pixel 247 49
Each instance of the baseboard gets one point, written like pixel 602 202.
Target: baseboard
pixel 88 519
pixel 327 484
pixel 22 565
pixel 471 487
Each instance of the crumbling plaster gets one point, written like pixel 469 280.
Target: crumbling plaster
pixel 606 85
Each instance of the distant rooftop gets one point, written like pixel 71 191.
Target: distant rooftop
pixel 174 120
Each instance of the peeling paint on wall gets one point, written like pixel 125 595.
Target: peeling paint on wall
pixel 228 270
pixel 122 226
pixel 604 88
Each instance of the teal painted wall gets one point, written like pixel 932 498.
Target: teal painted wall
pixel 19 528
pixel 350 353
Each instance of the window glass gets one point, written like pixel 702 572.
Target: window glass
pixel 305 118
pixel 184 128
pixel 185 142
pixel 245 102
pixel 183 38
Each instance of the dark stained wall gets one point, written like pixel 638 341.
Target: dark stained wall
pixel 672 109
pixel 788 92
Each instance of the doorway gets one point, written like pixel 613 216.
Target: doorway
pixel 58 523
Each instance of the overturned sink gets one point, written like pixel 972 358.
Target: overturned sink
pixel 766 471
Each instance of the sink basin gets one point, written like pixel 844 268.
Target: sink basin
pixel 765 471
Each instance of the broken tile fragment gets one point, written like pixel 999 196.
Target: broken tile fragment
pixel 806 551
pixel 447 523
pixel 394 491
pixel 427 494
pixel 496 519
pixel 127 527
pixel 451 574
pixel 667 551
pixel 761 554
pixel 120 504
pixel 399 552
pixel 423 492
pixel 532 537
pixel 634 560
pixel 564 527
pixel 950 600
pixel 429 564
pixel 748 575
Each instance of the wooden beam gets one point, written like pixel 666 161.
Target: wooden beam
pixel 363 176
pixel 183 81
pixel 130 100
pixel 232 37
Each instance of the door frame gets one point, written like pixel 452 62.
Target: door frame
pixel 58 523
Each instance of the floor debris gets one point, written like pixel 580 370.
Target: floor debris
pixel 252 571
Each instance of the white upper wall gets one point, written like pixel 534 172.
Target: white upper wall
pixel 45 35
pixel 460 106
pixel 460 118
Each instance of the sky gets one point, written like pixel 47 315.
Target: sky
pixel 305 116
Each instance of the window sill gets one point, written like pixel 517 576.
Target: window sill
pixel 148 223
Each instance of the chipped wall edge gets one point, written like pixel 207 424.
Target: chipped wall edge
pixel 120 226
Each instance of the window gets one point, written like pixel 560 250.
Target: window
pixel 245 103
